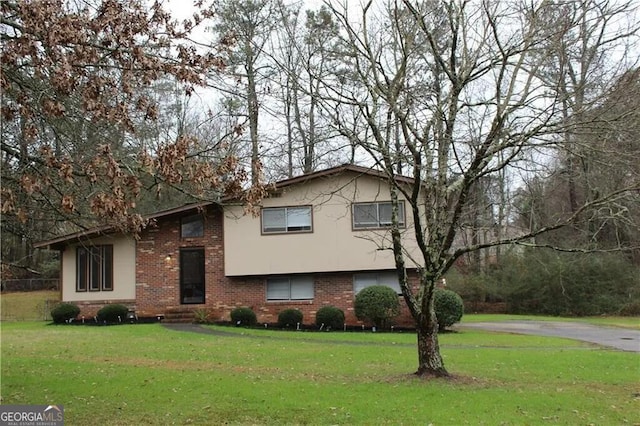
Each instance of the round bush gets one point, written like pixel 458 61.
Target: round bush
pixel 64 312
pixel 110 313
pixel 378 304
pixel 243 316
pixel 331 317
pixel 448 306
pixel 289 318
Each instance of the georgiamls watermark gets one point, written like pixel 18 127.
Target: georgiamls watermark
pixel 31 415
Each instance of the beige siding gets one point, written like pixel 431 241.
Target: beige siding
pixel 124 263
pixel 332 246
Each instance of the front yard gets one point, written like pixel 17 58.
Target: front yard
pixel 147 374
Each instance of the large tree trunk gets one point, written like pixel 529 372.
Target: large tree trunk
pixel 430 363
pixel 253 130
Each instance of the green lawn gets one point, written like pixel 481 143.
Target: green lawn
pixel 610 321
pixel 28 306
pixel 146 374
pixel 466 339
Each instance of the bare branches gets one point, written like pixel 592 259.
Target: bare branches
pixel 469 94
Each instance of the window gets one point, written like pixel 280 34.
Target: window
pixel 290 288
pixel 192 226
pixel 363 280
pixel 286 219
pixel 375 215
pixel 94 268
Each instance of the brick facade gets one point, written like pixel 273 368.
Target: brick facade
pixel 158 278
pixel 89 308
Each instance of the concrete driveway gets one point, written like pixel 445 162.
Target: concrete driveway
pixel 613 337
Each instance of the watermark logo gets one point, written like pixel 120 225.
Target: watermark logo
pixel 31 415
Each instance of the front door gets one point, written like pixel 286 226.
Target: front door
pixel 192 275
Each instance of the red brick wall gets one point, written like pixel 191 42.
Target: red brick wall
pixel 334 289
pixel 158 267
pixel 158 279
pixel 89 309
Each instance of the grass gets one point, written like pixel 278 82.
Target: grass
pixel 147 375
pixel 610 321
pixel 36 305
pixel 28 306
pixel 471 338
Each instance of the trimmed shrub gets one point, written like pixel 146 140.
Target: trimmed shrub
pixel 244 316
pixel 289 318
pixel 448 306
pixel 110 313
pixel 378 304
pixel 64 312
pixel 331 317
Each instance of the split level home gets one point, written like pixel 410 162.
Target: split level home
pixel 317 240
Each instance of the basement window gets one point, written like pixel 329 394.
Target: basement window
pixel 290 288
pixel 368 279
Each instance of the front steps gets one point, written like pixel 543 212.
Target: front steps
pixel 179 315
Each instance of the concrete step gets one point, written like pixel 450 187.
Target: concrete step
pixel 178 315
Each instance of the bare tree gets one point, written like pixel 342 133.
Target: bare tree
pixel 303 54
pixel 248 25
pixel 578 62
pixel 606 149
pixel 461 81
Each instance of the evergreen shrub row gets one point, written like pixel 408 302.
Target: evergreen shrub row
pixel 546 282
pixel 111 313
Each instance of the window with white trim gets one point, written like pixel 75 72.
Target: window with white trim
pixel 94 268
pixel 375 215
pixel 290 288
pixel 277 220
pixel 368 279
